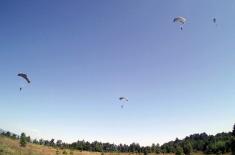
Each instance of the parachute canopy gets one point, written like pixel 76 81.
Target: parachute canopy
pixel 24 76
pixel 123 98
pixel 180 20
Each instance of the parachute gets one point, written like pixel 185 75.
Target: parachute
pixel 24 77
pixel 180 20
pixel 124 100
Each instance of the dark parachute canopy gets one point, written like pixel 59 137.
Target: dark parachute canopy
pixel 24 76
pixel 180 20
pixel 123 98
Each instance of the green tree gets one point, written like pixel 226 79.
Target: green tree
pixel 233 130
pixel 59 143
pixel 153 148
pixel 179 150
pixel 220 147
pixel 145 152
pixel 8 134
pixel 158 149
pixel 23 140
pixel 41 142
pixel 28 139
pixel 233 146
pixel 187 147
pixel 35 141
pixel 14 136
pixel 52 143
pixel 233 141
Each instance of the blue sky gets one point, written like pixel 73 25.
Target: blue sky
pixel 83 55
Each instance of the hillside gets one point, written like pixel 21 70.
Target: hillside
pixel 11 147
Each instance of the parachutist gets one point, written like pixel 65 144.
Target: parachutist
pixel 124 100
pixel 180 20
pixel 25 77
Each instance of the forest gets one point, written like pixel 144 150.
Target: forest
pixel 220 143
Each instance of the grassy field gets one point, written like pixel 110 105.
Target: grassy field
pixel 12 147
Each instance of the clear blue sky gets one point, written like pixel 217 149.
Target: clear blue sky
pixel 82 55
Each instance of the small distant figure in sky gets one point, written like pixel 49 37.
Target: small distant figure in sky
pixel 180 20
pixel 123 101
pixel 25 78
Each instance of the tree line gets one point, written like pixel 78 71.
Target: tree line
pixel 210 144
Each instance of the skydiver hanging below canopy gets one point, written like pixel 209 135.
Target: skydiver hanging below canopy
pixel 24 77
pixel 124 100
pixel 180 20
